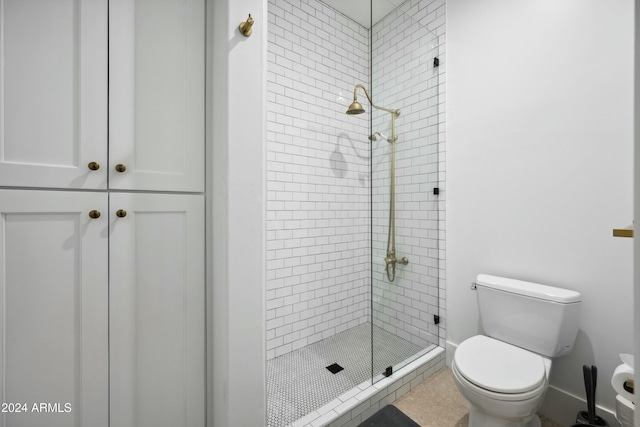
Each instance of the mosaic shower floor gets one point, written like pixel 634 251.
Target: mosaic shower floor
pixel 299 382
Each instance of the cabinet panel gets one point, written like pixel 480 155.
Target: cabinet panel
pixel 53 93
pixel 157 310
pixel 53 303
pixel 157 94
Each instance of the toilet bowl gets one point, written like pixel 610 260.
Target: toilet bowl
pixel 504 373
pixel 505 385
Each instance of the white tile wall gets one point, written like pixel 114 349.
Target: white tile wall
pixel 404 77
pixel 318 173
pixel 318 224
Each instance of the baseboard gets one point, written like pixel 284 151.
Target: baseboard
pixel 563 407
pixel 450 349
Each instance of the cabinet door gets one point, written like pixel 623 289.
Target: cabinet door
pixel 53 308
pixel 53 93
pixel 157 310
pixel 156 94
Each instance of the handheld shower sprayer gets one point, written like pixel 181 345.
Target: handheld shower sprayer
pixel 374 136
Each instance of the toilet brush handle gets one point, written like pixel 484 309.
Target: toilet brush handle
pixel 594 381
pixel 586 372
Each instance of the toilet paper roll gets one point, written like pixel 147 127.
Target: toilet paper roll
pixel 622 381
pixel 624 411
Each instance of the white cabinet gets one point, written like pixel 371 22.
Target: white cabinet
pixel 156 94
pixel 53 93
pixel 157 310
pixel 114 303
pixel 53 303
pixel 103 313
pixel 73 70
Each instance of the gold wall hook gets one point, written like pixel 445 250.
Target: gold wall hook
pixel 245 27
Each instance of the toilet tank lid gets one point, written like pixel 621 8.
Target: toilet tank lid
pixel 530 289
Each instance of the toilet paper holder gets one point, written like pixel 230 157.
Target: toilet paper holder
pixel 622 380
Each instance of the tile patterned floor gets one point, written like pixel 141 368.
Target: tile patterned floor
pixel 298 382
pixel 437 403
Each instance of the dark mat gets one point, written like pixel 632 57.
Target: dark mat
pixel 389 416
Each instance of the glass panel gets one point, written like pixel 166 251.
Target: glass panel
pixel 404 170
pixel 334 319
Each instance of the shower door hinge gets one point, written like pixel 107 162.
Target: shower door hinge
pixel 436 319
pixel 436 190
pixel 436 62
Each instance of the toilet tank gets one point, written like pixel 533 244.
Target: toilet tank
pixel 542 319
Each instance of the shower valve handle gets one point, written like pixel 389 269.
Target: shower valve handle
pixel 391 259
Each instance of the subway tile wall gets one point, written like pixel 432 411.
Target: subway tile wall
pixel 404 77
pixel 318 219
pixel 318 173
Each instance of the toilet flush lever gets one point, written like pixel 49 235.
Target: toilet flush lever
pixel 474 286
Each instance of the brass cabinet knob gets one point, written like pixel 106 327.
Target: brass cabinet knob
pixel 121 213
pixel 94 214
pixel 120 167
pixel 94 166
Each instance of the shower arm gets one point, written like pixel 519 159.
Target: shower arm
pixel 395 113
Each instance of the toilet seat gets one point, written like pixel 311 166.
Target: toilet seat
pixel 500 368
pixel 493 396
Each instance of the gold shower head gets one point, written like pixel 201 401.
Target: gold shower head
pixel 355 107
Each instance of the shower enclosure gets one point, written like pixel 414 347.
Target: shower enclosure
pixel 354 202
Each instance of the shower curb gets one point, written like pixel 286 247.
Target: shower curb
pixel 358 404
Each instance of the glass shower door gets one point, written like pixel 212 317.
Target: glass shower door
pixel 404 189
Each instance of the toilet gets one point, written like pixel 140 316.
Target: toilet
pixel 504 373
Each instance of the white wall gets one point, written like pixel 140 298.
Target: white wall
pixel 539 164
pixel 236 219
